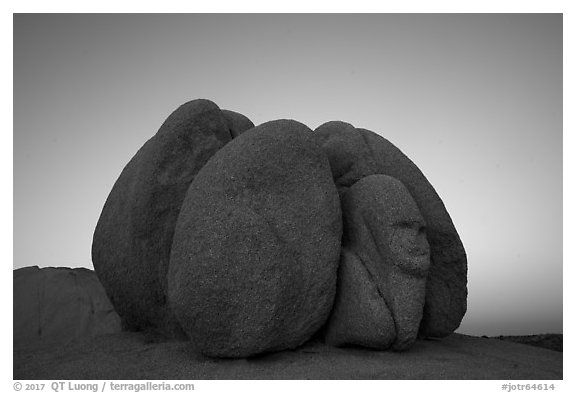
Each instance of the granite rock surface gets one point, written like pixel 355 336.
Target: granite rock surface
pixel 385 261
pixel 60 305
pixel 356 153
pixel 133 237
pixel 257 243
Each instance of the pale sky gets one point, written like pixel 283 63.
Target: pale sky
pixel 474 100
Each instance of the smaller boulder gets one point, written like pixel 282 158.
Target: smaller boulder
pixel 58 305
pixel 385 261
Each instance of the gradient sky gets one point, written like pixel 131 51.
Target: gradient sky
pixel 474 100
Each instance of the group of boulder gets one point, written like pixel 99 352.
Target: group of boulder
pixel 248 239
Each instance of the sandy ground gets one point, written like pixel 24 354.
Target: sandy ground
pixel 133 356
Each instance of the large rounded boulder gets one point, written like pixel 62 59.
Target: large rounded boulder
pixel 132 240
pixel 256 247
pixel 356 153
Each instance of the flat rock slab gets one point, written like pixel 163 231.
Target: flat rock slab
pixel 58 305
pixel 134 356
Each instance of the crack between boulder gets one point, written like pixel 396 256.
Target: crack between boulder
pixel 368 147
pixel 371 276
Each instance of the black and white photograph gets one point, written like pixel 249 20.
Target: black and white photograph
pixel 288 196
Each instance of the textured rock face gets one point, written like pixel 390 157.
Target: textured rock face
pixel 360 315
pixel 386 258
pixel 256 247
pixel 132 240
pixel 60 305
pixel 356 153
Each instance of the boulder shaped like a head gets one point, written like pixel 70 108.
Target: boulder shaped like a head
pixel 384 263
